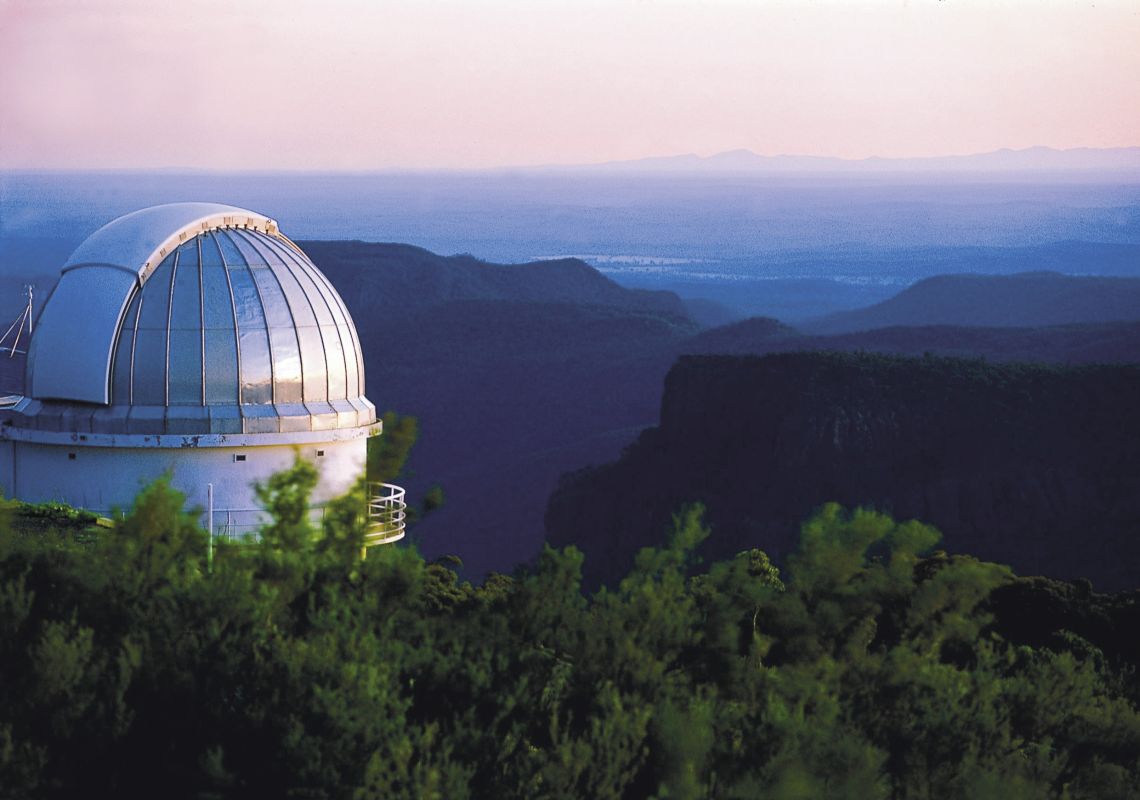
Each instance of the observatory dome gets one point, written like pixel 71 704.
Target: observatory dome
pixel 194 318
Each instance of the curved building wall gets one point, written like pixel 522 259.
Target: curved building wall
pixel 101 479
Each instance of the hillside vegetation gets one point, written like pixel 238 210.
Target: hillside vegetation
pixel 131 667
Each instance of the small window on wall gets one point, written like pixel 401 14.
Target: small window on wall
pixel 71 456
pixel 239 456
pixel 320 454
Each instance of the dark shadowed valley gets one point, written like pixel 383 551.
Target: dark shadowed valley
pixel 522 373
pixel 1033 466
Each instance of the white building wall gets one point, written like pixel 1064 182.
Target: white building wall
pixel 101 479
pixel 7 465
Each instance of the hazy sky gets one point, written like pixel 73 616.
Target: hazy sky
pixel 358 84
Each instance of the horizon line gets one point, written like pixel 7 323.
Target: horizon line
pixel 609 164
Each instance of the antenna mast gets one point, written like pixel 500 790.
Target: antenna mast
pixel 18 326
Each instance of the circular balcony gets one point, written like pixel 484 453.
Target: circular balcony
pixel 387 514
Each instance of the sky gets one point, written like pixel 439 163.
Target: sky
pixel 371 84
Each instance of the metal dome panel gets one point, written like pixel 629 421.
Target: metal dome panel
pixel 229 318
pixel 71 349
pixel 138 241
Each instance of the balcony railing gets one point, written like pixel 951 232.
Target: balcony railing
pixel 387 514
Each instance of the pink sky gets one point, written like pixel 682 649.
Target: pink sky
pixel 360 84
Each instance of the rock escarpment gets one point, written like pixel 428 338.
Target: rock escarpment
pixel 1034 466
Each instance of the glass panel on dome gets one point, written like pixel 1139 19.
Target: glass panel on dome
pixel 247 301
pixel 352 378
pixel 121 380
pixel 156 296
pixel 305 281
pixel 279 252
pixel 221 366
pixel 268 246
pixel 359 362
pixel 273 301
pixel 210 255
pixel 150 367
pixel 186 304
pixel 254 246
pixel 350 336
pixel 185 367
pixel 251 254
pixel 299 303
pixel 286 365
pixel 121 377
pixel 256 370
pixel 327 290
pixel 230 253
pixel 217 305
pixel 334 357
pixel 339 315
pixel 131 317
pixel 313 362
pixel 354 359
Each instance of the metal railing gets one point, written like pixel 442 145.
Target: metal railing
pixel 387 514
pixel 386 511
pixel 243 525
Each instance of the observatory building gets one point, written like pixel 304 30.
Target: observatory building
pixel 194 339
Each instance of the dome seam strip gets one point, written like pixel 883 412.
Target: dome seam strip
pixel 323 291
pixel 258 247
pixel 320 329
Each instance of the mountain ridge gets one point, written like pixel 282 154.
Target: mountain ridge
pixel 422 278
pixel 1036 158
pixel 1024 299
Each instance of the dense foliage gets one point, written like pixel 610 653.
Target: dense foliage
pixel 295 669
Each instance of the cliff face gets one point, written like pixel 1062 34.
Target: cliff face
pixel 1037 467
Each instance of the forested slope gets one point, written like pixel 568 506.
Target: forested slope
pixel 132 668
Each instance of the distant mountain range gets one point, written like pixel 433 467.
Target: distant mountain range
pixel 1121 160
pixel 402 279
pixel 1022 300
